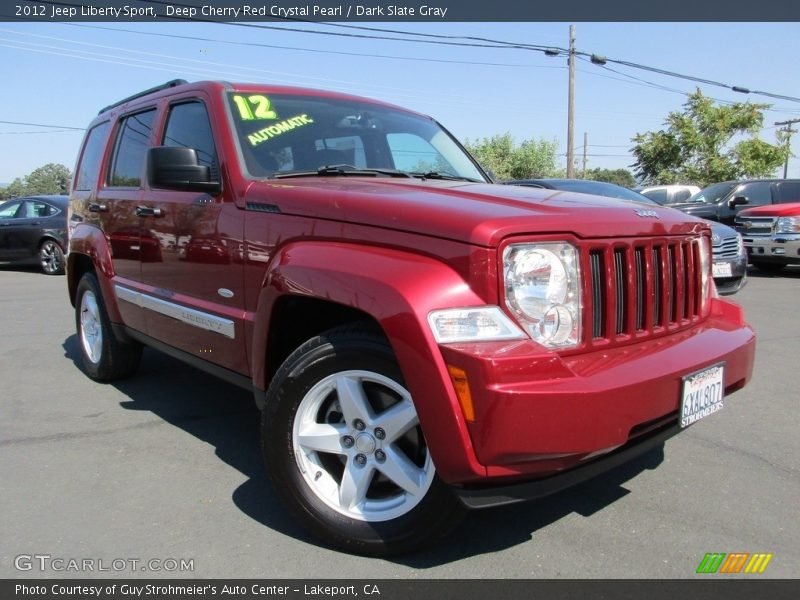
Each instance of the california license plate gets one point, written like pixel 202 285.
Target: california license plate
pixel 702 394
pixel 720 269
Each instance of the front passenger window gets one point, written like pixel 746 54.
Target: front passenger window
pixel 188 127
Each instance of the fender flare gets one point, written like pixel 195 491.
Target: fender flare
pixel 87 240
pixel 398 289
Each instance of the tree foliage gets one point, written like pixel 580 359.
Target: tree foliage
pixel 51 178
pixel 706 143
pixel 501 155
pixel 621 177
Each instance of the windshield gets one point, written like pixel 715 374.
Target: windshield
pixel 284 135
pixel 713 193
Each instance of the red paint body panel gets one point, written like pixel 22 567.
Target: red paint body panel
pixel 773 210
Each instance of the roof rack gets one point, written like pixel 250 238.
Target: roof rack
pixel 163 86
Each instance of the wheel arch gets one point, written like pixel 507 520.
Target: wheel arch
pixel 394 291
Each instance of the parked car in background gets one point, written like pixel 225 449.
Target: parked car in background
pixel 771 235
pixel 729 266
pixel 669 194
pixel 34 230
pixel 723 201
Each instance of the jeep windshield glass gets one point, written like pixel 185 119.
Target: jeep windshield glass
pixel 713 193
pixel 282 135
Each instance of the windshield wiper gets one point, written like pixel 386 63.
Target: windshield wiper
pixel 440 175
pixel 335 170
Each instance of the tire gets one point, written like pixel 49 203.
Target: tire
pixel 51 258
pixel 344 449
pixel 769 267
pixel 104 357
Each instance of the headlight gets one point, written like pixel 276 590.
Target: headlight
pixel 480 324
pixel 542 289
pixel 788 225
pixel 705 275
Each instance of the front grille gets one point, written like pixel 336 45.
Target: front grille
pixel 748 226
pixel 642 287
pixel 727 247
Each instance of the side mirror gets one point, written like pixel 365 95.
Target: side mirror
pixel 176 168
pixel 737 201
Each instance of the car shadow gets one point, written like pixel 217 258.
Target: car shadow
pixel 788 272
pixel 225 416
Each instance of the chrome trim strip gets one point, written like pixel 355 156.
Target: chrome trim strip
pixel 184 314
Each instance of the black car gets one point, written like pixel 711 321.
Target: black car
pixel 722 201
pixel 33 230
pixel 729 264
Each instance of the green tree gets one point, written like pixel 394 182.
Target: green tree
pixel 706 143
pixel 621 177
pixel 501 155
pixel 51 178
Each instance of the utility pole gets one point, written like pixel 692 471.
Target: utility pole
pixel 789 131
pixel 585 145
pixel 571 105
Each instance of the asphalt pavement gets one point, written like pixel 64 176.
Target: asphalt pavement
pixel 161 475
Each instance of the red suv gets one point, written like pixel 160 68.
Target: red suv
pixel 418 338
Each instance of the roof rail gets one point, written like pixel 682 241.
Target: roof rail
pixel 163 86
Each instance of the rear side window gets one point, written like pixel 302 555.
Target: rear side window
pixel 681 196
pixel 92 155
pixel 789 191
pixel 36 208
pixel 659 196
pixel 188 127
pixel 129 152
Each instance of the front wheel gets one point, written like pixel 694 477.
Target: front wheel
pixel 345 451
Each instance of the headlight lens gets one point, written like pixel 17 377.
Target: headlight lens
pixel 542 289
pixel 480 324
pixel 705 274
pixel 788 225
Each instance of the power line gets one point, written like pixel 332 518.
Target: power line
pixel 65 127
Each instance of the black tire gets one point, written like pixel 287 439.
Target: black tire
pixel 51 257
pixel 104 357
pixel 312 388
pixel 769 267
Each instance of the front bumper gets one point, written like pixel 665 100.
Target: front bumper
pixel 727 285
pixel 779 248
pixel 538 413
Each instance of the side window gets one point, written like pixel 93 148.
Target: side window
pixel 9 211
pixel 37 208
pixel 757 194
pixel 129 152
pixel 681 196
pixel 188 127
pixel 659 196
pixel 789 191
pixel 412 153
pixel 92 155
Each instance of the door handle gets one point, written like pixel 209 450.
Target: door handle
pixel 96 208
pixel 146 211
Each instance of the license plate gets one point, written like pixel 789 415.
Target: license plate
pixel 721 270
pixel 702 394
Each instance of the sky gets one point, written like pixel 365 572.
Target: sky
pixel 62 74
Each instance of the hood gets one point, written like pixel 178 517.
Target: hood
pixel 773 210
pixel 691 208
pixel 476 213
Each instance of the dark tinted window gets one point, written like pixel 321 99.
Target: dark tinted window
pixel 132 141
pixel 789 191
pixel 188 127
pixel 37 208
pixel 757 194
pixel 659 196
pixel 681 196
pixel 92 155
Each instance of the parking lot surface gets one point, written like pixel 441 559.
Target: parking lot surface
pixel 166 467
